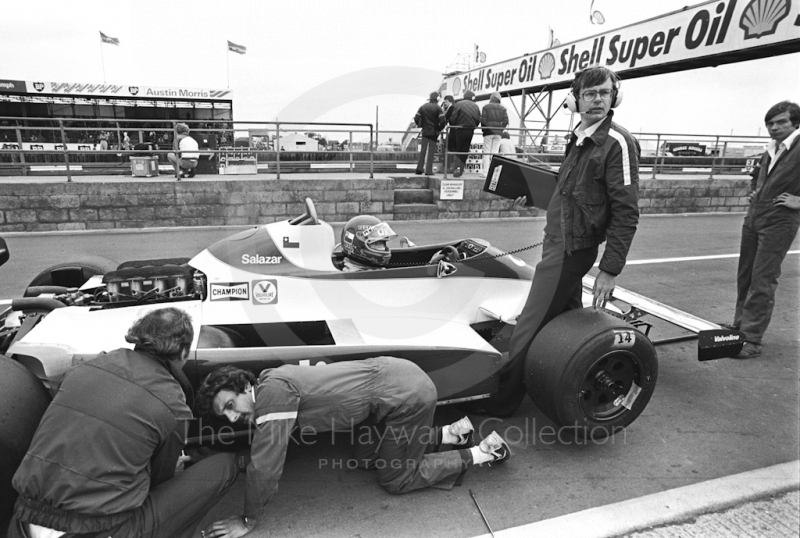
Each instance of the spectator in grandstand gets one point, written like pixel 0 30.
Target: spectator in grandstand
pixel 601 167
pixel 188 148
pixel 430 117
pixel 494 118
pixel 769 227
pixel 464 119
pixel 102 141
pixel 506 146
pixel 126 141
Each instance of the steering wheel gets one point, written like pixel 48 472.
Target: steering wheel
pixel 309 217
pixel 448 254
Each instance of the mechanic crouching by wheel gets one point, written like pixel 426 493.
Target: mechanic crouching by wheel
pixel 103 461
pixel 389 401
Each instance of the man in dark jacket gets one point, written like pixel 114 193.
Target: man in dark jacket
pixel 595 200
pixel 430 117
pixel 103 460
pixel 387 402
pixel 463 121
pixel 769 227
pixel 494 118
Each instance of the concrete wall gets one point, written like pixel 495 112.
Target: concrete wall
pixel 131 204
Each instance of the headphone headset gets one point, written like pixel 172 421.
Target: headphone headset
pixel 571 101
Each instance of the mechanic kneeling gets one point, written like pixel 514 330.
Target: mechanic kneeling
pixel 390 401
pixel 103 461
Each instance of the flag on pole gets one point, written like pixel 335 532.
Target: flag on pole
pixel 480 57
pixel 554 42
pixel 238 49
pixel 110 40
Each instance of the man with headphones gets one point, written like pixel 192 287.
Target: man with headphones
pixel 596 200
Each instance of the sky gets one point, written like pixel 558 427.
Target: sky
pixel 294 47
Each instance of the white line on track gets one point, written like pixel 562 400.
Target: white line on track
pixel 688 259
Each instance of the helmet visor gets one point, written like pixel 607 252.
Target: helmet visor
pixel 377 236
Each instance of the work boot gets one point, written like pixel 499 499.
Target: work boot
pixel 749 351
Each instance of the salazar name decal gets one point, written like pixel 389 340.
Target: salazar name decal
pixel 257 259
pixel 235 291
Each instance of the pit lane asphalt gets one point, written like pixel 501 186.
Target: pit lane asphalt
pixel 705 421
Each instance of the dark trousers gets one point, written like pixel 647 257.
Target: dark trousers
pixel 427 147
pixel 174 508
pixel 760 257
pixel 400 444
pixel 458 142
pixel 556 288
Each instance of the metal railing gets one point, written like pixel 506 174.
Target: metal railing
pixel 73 144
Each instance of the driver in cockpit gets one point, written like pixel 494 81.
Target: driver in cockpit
pixel 364 243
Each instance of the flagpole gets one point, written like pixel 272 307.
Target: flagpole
pixel 228 65
pixel 103 60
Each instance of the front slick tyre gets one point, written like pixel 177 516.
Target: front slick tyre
pixel 591 373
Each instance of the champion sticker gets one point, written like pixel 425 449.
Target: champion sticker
pixel 495 177
pixel 235 291
pixel 265 292
pixel 624 338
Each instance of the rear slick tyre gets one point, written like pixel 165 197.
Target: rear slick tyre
pixel 73 274
pixel 590 373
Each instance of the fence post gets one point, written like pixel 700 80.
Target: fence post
pixel 714 158
pixel 371 154
pixel 66 151
pixel 278 149
pixel 21 153
pixel 658 152
pixel 444 147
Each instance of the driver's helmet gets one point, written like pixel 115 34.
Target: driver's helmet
pixel 364 239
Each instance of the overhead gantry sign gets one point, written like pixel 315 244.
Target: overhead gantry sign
pixel 708 34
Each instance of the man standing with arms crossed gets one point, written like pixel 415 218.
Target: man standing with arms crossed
pixel 596 200
pixel 769 227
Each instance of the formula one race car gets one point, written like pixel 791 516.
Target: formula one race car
pixel 275 294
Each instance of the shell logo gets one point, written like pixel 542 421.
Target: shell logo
pixel 761 17
pixel 456 86
pixel 546 66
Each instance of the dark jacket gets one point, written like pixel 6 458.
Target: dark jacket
pixel 599 182
pixel 494 115
pixel 332 398
pixel 784 177
pixel 430 117
pixel 465 114
pixel 114 430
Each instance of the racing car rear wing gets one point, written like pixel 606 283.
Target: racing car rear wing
pixel 713 340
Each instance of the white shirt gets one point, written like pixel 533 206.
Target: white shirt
pixel 584 134
pixel 776 150
pixel 506 147
pixel 189 147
